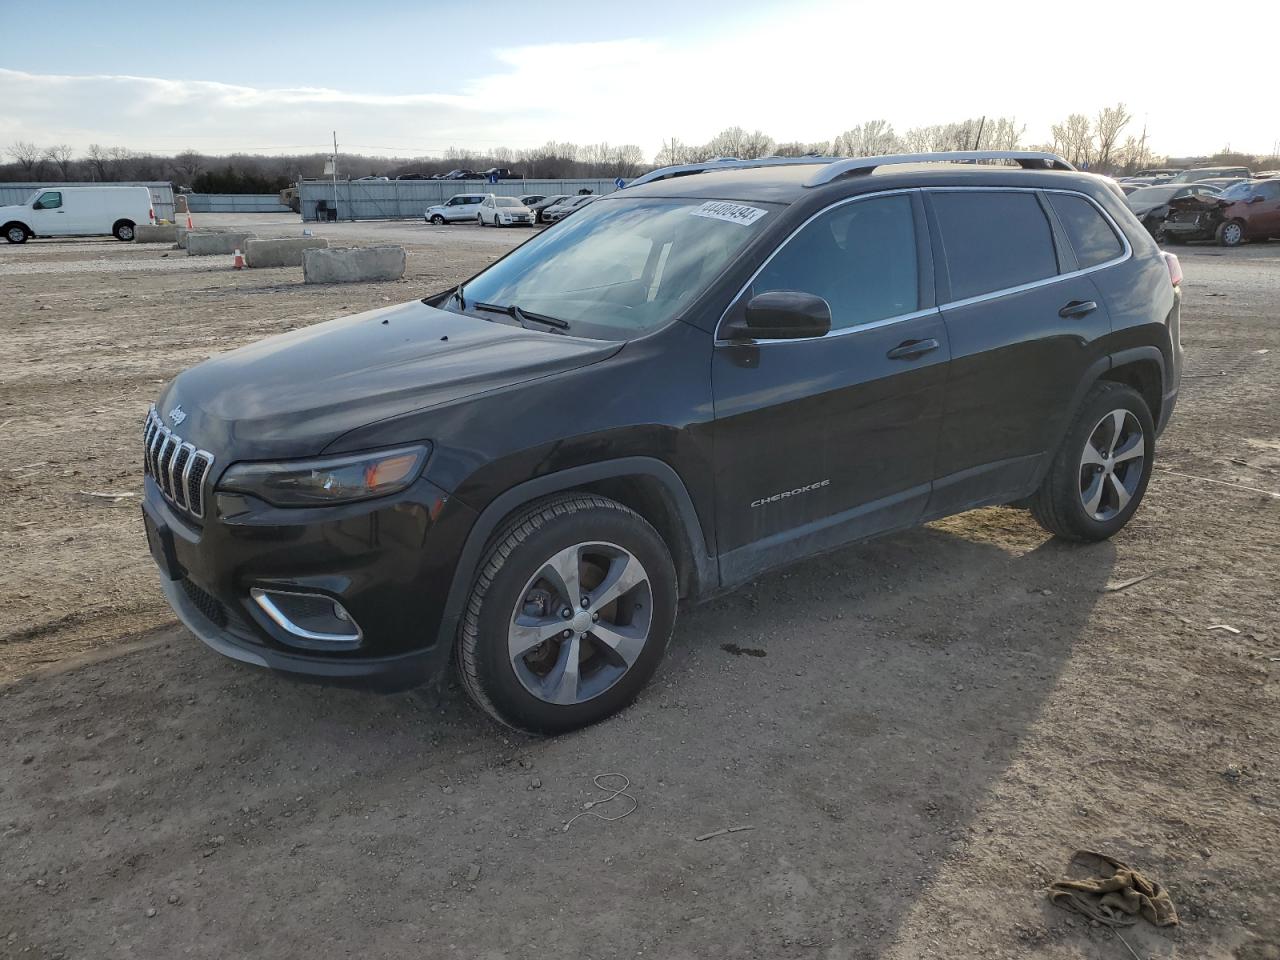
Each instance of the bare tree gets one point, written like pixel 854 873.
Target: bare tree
pixel 868 139
pixel 1111 121
pixel 1074 139
pixel 189 164
pixel 97 159
pixel 27 155
pixel 61 154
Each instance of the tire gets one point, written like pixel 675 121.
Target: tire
pixel 15 233
pixel 514 602
pixel 1230 234
pixel 123 230
pixel 437 220
pixel 1095 484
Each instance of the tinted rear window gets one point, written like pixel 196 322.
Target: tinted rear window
pixel 993 241
pixel 1091 236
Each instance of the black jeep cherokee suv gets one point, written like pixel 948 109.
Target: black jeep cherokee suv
pixel 715 371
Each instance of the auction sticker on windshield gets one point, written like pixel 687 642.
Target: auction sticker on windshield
pixel 733 212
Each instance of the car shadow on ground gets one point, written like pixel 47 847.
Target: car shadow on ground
pixel 888 687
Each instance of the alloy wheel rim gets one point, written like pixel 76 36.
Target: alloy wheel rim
pixel 581 622
pixel 16 235
pixel 1111 464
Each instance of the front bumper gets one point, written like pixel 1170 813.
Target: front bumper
pixel 389 562
pixel 1189 229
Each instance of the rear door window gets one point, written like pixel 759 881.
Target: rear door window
pixel 993 240
pixel 860 257
pixel 1091 236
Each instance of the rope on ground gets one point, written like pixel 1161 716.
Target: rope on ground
pixel 613 795
pixel 1225 483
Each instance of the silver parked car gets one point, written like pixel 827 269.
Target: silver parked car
pixel 567 206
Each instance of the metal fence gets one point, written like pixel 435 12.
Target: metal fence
pixel 409 199
pixel 161 193
pixel 235 203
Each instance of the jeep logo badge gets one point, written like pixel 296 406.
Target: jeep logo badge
pixel 177 415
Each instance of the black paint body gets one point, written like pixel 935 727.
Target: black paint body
pixel 708 438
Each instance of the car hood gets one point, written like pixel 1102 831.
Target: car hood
pixel 293 394
pixel 1142 209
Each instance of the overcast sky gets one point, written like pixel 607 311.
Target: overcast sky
pixel 415 78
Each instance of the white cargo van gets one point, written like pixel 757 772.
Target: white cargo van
pixel 78 212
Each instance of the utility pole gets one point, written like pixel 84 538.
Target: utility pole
pixel 335 173
pixel 978 139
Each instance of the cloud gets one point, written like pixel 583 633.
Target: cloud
pixel 804 73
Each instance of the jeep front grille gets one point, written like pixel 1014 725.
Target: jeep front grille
pixel 177 467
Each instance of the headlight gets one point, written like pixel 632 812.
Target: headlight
pixel 304 483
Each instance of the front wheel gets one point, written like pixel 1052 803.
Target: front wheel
pixel 123 230
pixel 1230 234
pixel 15 233
pixel 569 616
pixel 1101 470
pixel 437 219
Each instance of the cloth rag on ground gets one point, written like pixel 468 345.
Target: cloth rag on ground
pixel 1104 889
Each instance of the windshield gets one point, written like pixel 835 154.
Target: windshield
pixel 508 202
pixel 1151 195
pixel 1238 191
pixel 620 268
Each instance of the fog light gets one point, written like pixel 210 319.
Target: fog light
pixel 312 618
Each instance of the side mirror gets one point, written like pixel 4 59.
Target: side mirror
pixel 37 205
pixel 782 315
pixel 1256 198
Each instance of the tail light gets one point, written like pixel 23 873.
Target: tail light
pixel 151 214
pixel 1175 268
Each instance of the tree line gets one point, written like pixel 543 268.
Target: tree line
pixel 1103 142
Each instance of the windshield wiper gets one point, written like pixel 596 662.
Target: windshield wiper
pixel 457 293
pixel 523 317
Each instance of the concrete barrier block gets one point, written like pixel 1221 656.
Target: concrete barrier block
pixel 146 233
pixel 181 232
pixel 208 244
pixel 353 264
pixel 280 253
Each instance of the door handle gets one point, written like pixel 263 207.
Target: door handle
pixel 911 349
pixel 1077 308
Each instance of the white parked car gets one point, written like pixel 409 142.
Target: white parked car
pixel 503 212
pixel 463 206
pixel 78 212
pixel 567 206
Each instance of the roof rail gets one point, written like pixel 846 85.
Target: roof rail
pixel 724 163
pixel 1027 159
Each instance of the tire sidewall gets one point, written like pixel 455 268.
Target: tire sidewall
pixel 1097 406
pixel 497 677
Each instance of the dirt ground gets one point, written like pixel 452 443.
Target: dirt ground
pixel 938 719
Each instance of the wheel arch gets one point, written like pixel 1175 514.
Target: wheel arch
pixel 16 223
pixel 1143 369
pixel 646 485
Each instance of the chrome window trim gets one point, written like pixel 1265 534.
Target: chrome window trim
pixel 952 304
pixel 886 321
pixel 263 599
pixel 1126 254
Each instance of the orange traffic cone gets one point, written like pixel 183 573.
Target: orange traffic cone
pixel 239 261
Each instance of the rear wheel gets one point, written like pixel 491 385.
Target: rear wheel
pixel 1230 234
pixel 123 230
pixel 1101 470
pixel 569 616
pixel 15 233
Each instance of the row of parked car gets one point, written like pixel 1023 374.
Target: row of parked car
pixel 1226 204
pixel 487 209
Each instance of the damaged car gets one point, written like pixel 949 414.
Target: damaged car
pixel 1247 211
pixel 1151 204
